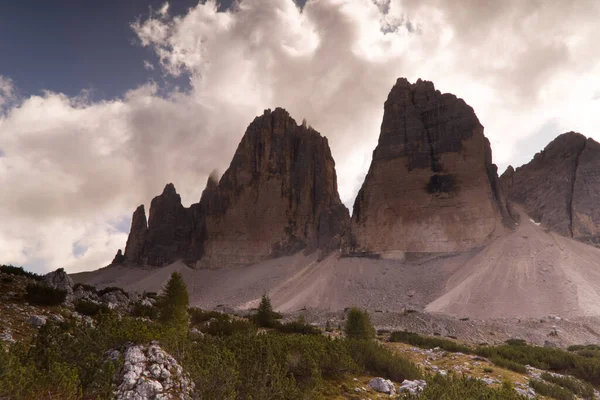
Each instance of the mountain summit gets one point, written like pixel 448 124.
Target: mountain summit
pixel 559 187
pixel 278 196
pixel 431 186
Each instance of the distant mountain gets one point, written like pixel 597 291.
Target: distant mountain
pixel 560 187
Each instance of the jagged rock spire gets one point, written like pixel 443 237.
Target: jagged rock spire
pixel 431 186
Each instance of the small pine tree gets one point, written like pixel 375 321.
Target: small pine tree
pixel 328 327
pixel 174 303
pixel 265 316
pixel 359 325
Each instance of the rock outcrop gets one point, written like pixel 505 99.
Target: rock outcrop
pixel 560 187
pixel 431 186
pixel 59 280
pixel 150 373
pixel 278 196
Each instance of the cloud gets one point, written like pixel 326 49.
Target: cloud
pixel 7 92
pixel 76 168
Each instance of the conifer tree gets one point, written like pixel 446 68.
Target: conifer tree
pixel 174 303
pixel 359 325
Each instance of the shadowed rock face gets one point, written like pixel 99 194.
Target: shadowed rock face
pixel 431 186
pixel 134 249
pixel 560 187
pixel 278 196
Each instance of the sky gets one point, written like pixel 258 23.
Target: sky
pixel 103 103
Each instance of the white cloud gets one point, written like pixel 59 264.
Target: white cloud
pixel 77 168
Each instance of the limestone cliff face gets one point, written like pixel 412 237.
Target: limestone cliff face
pixel 167 236
pixel 431 186
pixel 134 250
pixel 278 196
pixel 560 187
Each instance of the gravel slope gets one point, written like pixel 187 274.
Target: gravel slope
pixel 527 273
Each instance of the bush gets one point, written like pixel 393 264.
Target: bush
pixel 516 342
pixel 19 271
pixel 7 279
pixel 508 364
pixel 557 360
pixel 426 342
pixel 298 327
pixel 86 287
pixel 108 289
pixel 89 308
pixel 359 325
pixel 459 388
pixel 43 295
pixel 574 385
pixel 66 361
pixel 583 347
pixel 198 316
pixel 375 359
pixel 227 327
pixel 551 390
pixel 145 311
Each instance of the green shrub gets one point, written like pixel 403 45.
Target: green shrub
pixel 551 390
pixel 588 353
pixel 198 316
pixel 557 360
pixel 298 327
pixel 43 295
pixel 67 360
pixel 508 364
pixel 110 289
pixel 375 359
pixel 582 389
pixel 358 325
pixel 426 342
pixel 19 271
pixel 89 308
pixel 227 327
pixel 86 287
pixel 516 342
pixel 583 347
pixel 460 388
pixel 145 311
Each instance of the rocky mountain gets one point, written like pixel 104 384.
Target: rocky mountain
pixel 560 187
pixel 278 196
pixel 431 186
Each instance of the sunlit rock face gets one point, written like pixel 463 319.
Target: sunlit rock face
pixel 431 186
